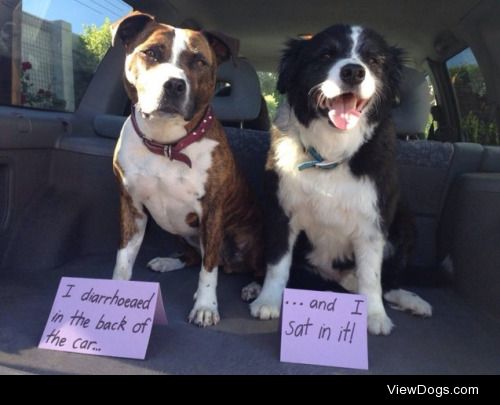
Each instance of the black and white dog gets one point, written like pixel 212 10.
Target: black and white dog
pixel 333 166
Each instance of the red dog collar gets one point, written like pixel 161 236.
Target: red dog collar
pixel 173 150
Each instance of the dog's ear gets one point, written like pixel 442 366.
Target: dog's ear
pixel 224 46
pixel 129 27
pixel 289 64
pixel 396 60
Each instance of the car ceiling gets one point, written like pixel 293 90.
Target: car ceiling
pixel 263 25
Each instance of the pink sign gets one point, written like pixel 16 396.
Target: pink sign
pixel 103 317
pixel 324 328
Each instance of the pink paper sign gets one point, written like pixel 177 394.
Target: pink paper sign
pixel 324 328
pixel 103 317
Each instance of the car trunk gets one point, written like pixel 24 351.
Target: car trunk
pixel 65 223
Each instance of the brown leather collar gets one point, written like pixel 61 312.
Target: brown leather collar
pixel 173 150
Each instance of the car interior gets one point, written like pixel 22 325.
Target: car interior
pixel 59 199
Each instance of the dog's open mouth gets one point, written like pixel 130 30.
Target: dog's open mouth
pixel 344 111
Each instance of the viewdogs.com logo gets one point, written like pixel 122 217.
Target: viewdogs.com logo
pixel 437 392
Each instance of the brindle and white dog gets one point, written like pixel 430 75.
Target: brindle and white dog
pixel 173 159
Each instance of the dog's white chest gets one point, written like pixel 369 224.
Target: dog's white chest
pixel 332 206
pixel 170 190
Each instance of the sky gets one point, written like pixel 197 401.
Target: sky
pixel 77 12
pixel 465 57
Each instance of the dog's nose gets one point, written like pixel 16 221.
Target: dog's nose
pixel 175 87
pixel 352 74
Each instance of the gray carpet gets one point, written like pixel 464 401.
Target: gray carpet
pixel 455 340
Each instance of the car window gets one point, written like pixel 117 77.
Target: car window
pixel 477 113
pixel 50 49
pixel 272 96
pixel 432 125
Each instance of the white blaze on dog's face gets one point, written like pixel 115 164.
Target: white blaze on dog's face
pixel 339 75
pixel 354 76
pixel 152 68
pixel 168 71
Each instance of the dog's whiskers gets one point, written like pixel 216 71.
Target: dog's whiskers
pixel 318 95
pixel 314 88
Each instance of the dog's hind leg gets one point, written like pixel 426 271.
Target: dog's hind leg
pixel 251 291
pixel 190 257
pixel 403 300
pixel 166 264
pixel 402 235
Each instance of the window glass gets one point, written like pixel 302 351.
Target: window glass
pixel 478 120
pixel 268 81
pixel 50 49
pixel 431 125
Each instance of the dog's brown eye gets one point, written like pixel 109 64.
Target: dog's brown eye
pixel 326 55
pixel 373 61
pixel 150 53
pixel 200 62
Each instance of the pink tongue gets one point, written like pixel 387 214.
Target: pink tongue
pixel 343 112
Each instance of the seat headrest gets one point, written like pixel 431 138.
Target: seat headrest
pixel 411 115
pixel 243 103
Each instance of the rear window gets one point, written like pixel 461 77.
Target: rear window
pixel 273 98
pixel 477 113
pixel 50 49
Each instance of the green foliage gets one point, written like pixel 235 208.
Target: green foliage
pixel 468 76
pixel 430 123
pixel 273 98
pixel 97 40
pixel 88 51
pixel 478 115
pixel 272 105
pixel 480 131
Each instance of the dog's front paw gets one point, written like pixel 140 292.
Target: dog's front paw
pixel 266 308
pixel 164 264
pixel 203 315
pixel 379 324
